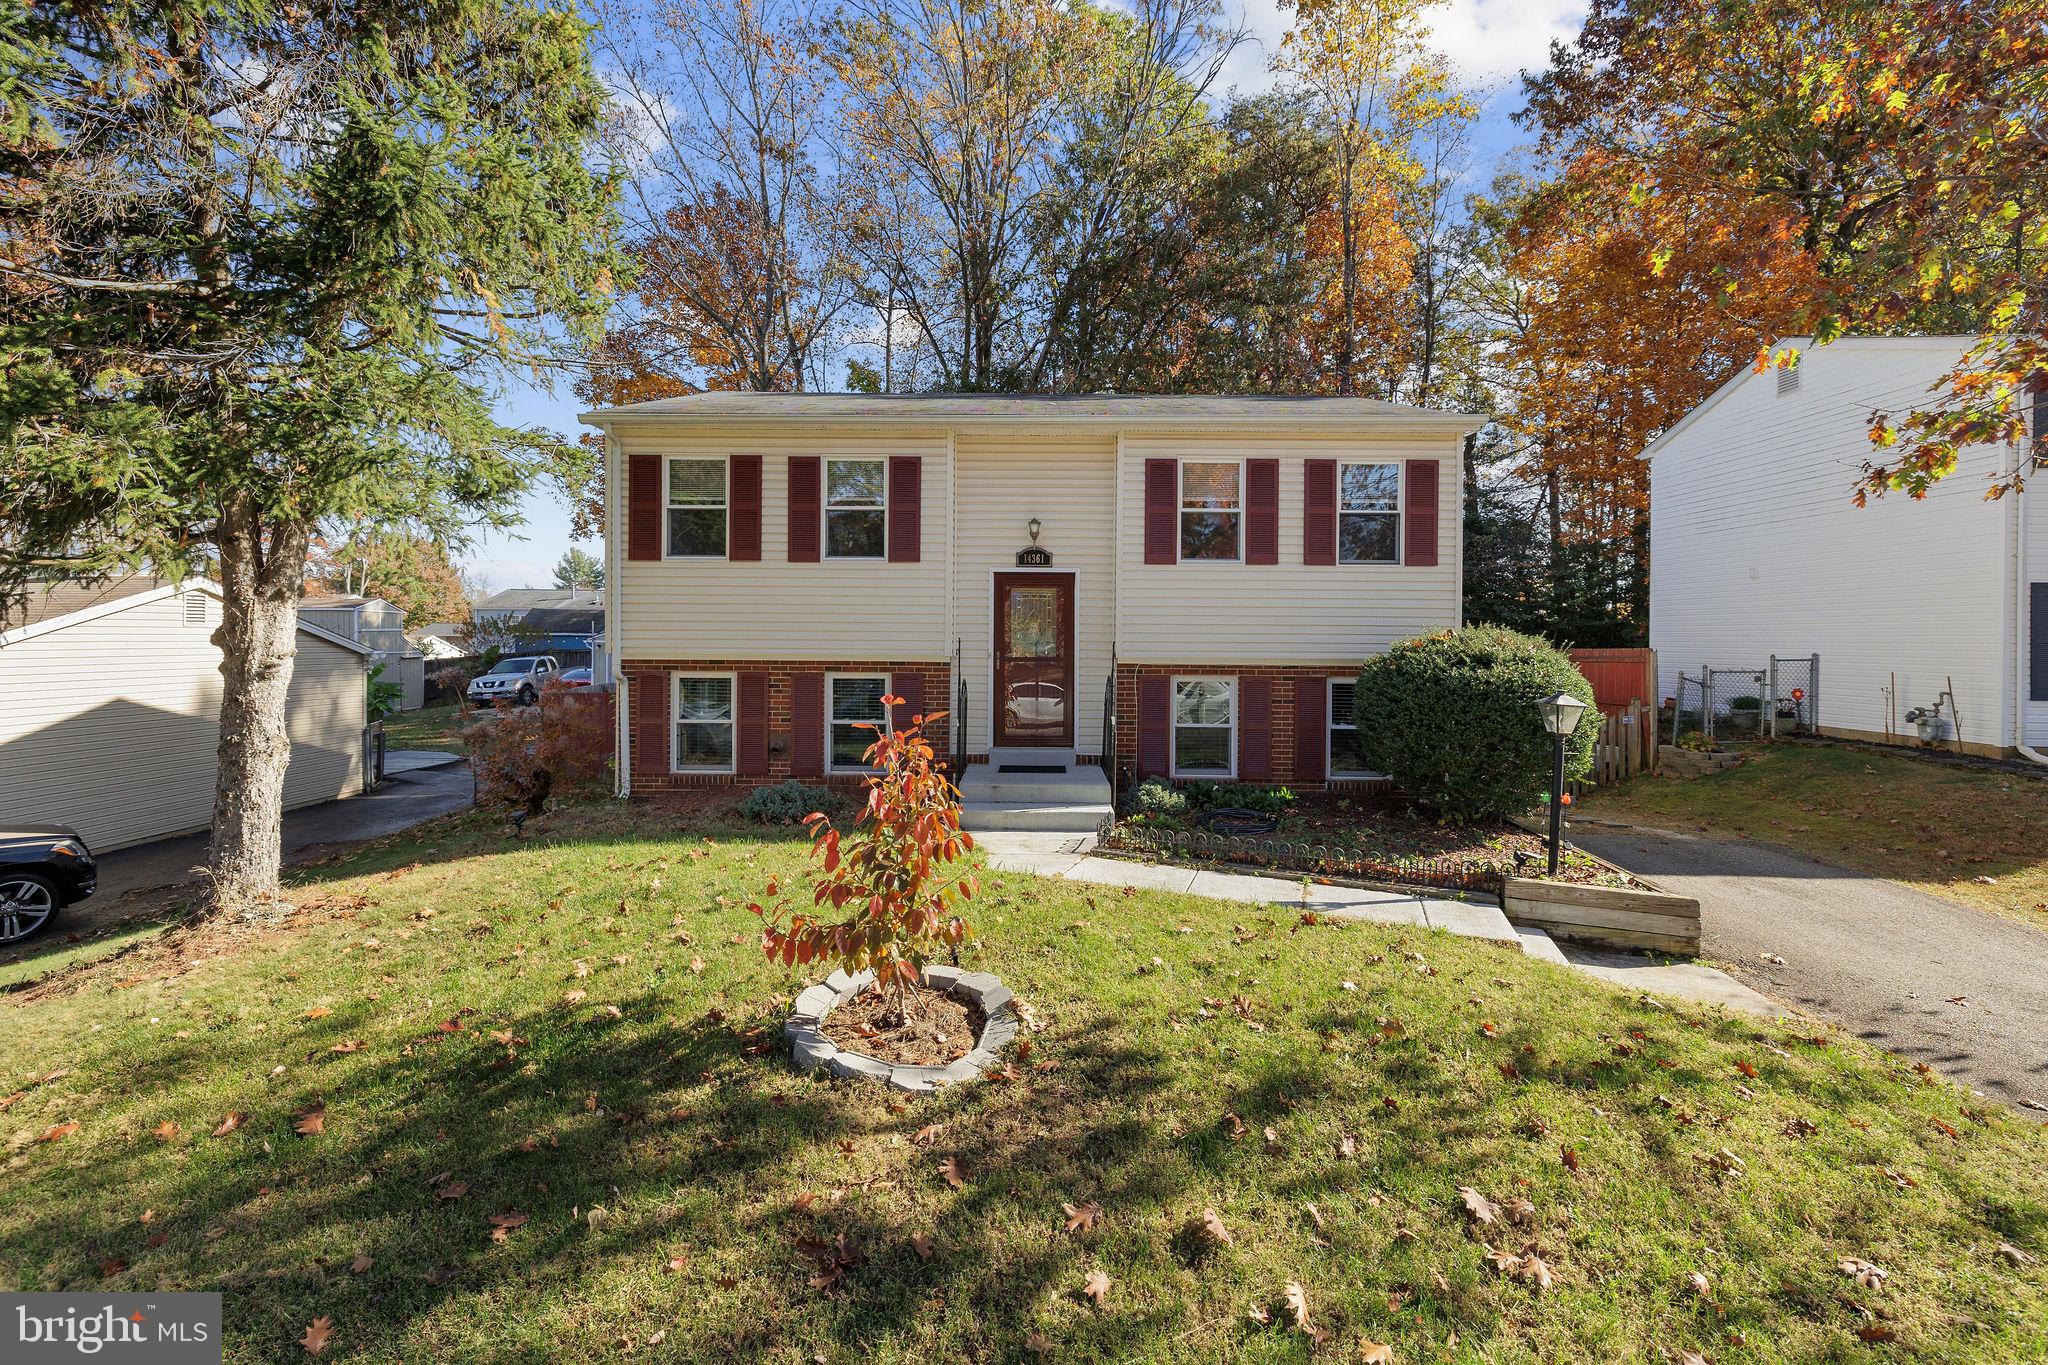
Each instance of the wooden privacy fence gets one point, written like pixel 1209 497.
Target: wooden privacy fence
pixel 1626 748
pixel 1619 676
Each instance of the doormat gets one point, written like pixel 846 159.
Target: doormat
pixel 1031 767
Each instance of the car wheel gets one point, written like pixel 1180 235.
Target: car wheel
pixel 28 902
pixel 526 696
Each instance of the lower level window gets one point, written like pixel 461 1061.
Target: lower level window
pixel 853 703
pixel 1345 760
pixel 1204 718
pixel 704 719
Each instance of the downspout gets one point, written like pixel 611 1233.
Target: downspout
pixel 2021 616
pixel 622 776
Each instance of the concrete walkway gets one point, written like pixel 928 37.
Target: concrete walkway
pixel 1068 856
pixel 398 762
pixel 1961 989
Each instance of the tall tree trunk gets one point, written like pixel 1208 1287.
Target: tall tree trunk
pixel 261 571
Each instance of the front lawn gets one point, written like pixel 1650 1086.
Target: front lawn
pixel 1971 834
pixel 493 1100
pixel 430 727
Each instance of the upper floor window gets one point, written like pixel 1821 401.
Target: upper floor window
pixel 856 509
pixel 1368 514
pixel 1211 510
pixel 696 509
pixel 2041 420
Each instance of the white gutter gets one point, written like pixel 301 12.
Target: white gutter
pixel 2022 615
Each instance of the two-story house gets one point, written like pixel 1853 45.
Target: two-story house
pixel 1206 573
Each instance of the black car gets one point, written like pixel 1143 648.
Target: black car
pixel 43 868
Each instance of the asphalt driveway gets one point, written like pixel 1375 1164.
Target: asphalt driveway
pixel 1934 981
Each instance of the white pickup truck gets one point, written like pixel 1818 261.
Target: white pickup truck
pixel 516 680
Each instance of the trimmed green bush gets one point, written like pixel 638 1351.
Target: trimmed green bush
pixel 1239 796
pixel 786 803
pixel 1155 797
pixel 1451 716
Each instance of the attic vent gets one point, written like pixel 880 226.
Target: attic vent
pixel 195 608
pixel 1788 380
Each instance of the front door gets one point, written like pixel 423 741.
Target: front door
pixel 1034 694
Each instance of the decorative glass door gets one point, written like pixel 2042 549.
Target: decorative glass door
pixel 1034 697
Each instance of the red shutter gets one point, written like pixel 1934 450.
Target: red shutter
pixel 1255 729
pixel 906 497
pixel 805 474
pixel 1311 728
pixel 1262 511
pixel 1319 512
pixel 650 700
pixel 743 538
pixel 752 758
pixel 643 507
pixel 1155 725
pixel 807 723
pixel 1422 517
pixel 1162 491
pixel 909 685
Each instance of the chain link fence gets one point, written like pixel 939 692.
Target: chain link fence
pixel 1780 698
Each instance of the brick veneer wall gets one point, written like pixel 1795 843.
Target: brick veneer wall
pixel 1283 732
pixel 648 691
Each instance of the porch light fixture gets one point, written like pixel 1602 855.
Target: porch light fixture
pixel 1560 717
pixel 1034 526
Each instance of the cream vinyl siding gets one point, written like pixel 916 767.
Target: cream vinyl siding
pixel 111 725
pixel 2034 530
pixel 1069 484
pixel 1290 612
pixel 1756 547
pixel 834 609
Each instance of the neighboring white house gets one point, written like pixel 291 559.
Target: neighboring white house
pixel 1757 548
pixel 110 711
pixel 1209 570
pixel 380 626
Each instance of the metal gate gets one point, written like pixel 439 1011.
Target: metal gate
pixel 1780 698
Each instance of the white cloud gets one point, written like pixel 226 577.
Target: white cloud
pixel 1489 41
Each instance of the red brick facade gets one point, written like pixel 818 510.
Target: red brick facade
pixel 649 697
pixel 1283 767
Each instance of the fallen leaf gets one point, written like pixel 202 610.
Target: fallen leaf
pixel 1297 1305
pixel 1863 1272
pixel 1082 1217
pixel 113 1266
pixel 310 1121
pixel 1213 1229
pixel 1877 1332
pixel 677 1264
pixel 165 1131
pixel 1233 1127
pixel 1478 1207
pixel 352 1045
pixel 1526 1266
pixel 455 1189
pixel 923 1245
pixel 1375 1353
pixel 58 1130
pixel 1570 1157
pixel 361 1263
pixel 442 1274
pixel 1257 1313
pixel 315 1340
pixel 1700 1285
pixel 1520 1212
pixel 503 1224
pixel 318 1012
pixel 2014 1255
pixel 234 1120
pixel 955 1172
pixel 1096 1286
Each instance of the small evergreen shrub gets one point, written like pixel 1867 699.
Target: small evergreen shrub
pixel 1155 797
pixel 1451 716
pixel 1239 796
pixel 785 803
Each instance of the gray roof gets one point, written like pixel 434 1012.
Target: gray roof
pixel 319 601
pixel 525 599
pixel 1102 411
pixel 47 600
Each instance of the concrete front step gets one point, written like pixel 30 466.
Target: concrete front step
pixel 1079 818
pixel 1077 786
pixel 1037 758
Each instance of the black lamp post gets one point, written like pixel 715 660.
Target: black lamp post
pixel 1560 717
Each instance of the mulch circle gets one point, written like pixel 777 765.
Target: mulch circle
pixel 942 1028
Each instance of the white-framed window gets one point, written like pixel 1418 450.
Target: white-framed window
pixel 1368 513
pixel 854 718
pixel 703 707
pixel 1211 511
pixel 696 501
pixel 1204 727
pixel 856 509
pixel 1344 759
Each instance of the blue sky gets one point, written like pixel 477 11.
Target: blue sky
pixel 1490 41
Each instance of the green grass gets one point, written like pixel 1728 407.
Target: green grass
pixel 432 727
pixel 1971 834
pixel 673 1179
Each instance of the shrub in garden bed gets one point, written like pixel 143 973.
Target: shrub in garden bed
pixel 786 803
pixel 561 745
pixel 1451 717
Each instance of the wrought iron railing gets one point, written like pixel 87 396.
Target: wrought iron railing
pixel 959 710
pixel 1109 728
pixel 1313 858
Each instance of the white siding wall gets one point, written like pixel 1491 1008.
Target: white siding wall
pixel 704 609
pixel 111 726
pixel 1288 612
pixel 1756 547
pixel 2032 507
pixel 1069 484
